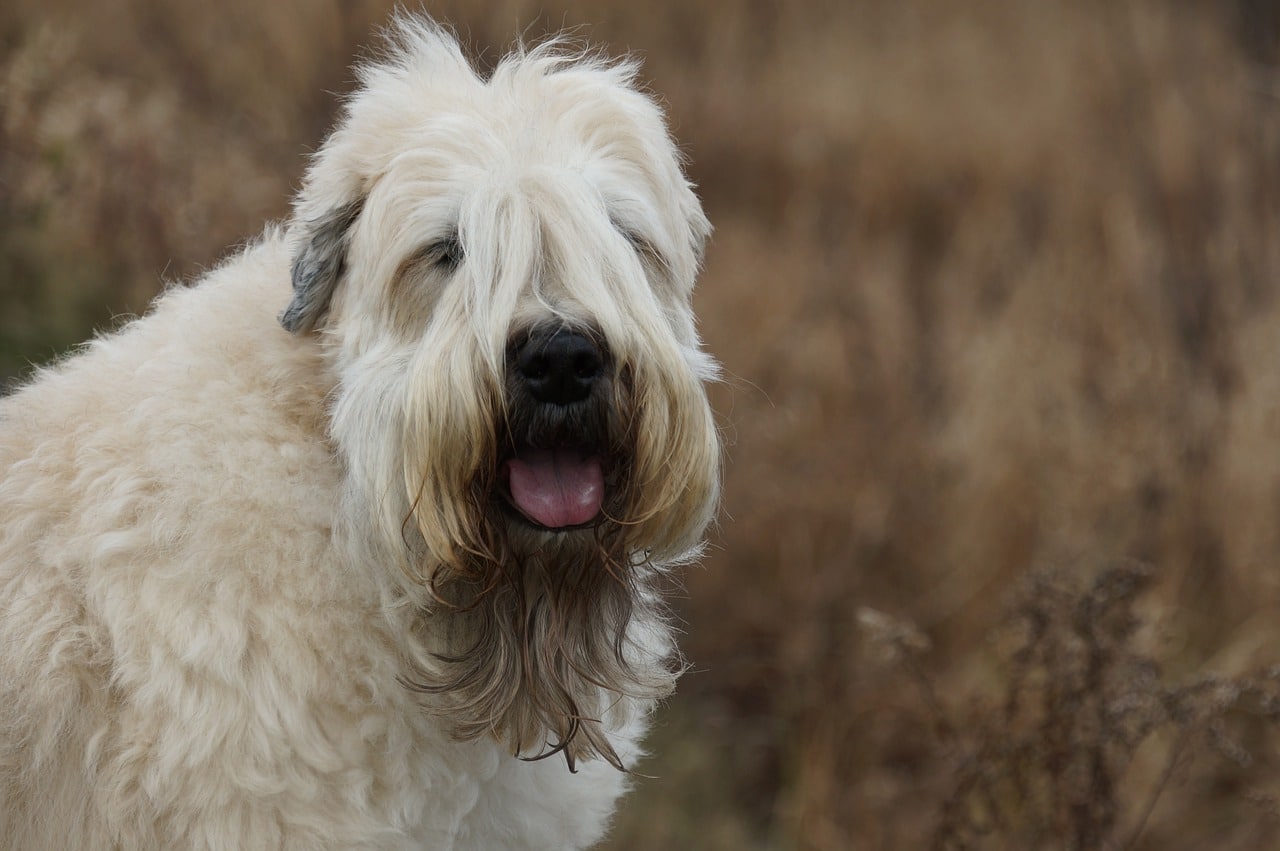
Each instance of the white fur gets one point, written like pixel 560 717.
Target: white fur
pixel 209 597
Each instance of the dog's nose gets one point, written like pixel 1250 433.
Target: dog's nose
pixel 559 367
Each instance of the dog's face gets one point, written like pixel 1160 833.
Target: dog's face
pixel 502 270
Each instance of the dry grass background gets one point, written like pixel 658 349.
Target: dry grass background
pixel 996 285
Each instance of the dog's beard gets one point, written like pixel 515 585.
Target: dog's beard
pixel 534 643
pixel 528 633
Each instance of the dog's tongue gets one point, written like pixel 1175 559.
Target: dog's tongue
pixel 556 487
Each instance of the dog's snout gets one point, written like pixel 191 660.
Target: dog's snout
pixel 559 367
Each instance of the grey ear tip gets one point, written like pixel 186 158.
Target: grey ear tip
pixel 293 320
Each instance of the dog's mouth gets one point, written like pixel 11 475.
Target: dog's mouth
pixel 559 489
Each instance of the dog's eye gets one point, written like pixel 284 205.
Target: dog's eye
pixel 642 246
pixel 444 254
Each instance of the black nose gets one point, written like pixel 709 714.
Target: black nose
pixel 559 366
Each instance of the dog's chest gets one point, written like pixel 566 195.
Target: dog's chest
pixel 392 765
pixel 490 800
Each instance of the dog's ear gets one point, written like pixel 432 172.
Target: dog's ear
pixel 318 266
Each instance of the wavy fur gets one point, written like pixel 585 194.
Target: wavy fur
pixel 256 589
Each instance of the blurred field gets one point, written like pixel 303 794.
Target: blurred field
pixel 997 288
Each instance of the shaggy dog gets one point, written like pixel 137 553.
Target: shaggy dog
pixel 358 542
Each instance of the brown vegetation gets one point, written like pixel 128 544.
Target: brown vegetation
pixel 995 284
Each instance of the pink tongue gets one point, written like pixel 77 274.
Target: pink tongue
pixel 556 487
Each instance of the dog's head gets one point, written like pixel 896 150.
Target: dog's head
pixel 502 271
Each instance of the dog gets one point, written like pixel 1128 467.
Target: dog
pixel 361 541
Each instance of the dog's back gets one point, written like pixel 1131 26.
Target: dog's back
pixel 158 594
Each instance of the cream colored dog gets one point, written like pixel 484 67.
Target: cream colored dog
pixel 356 543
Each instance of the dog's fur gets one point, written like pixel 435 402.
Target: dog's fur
pixel 264 582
